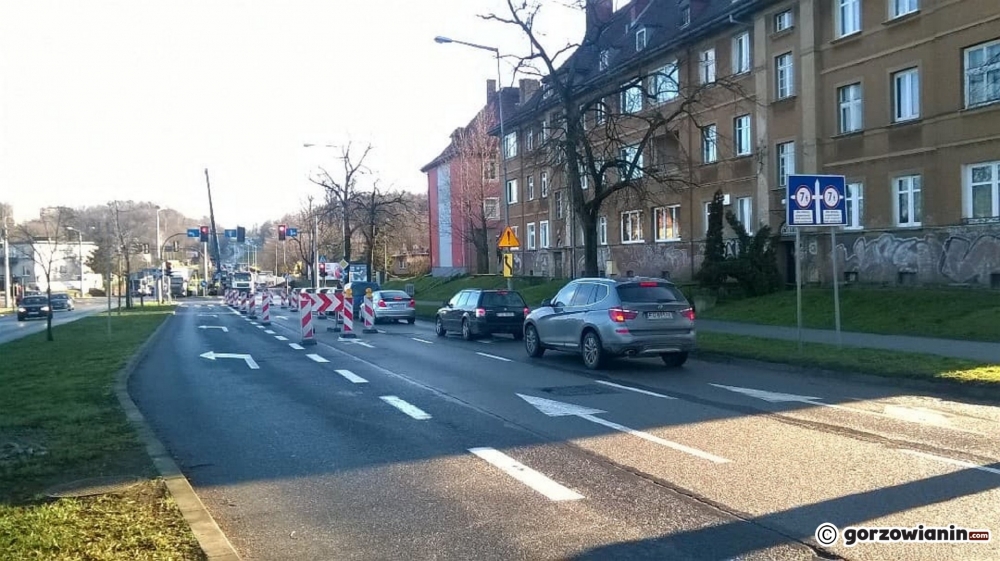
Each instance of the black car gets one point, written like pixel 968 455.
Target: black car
pixel 475 312
pixel 33 307
pixel 62 301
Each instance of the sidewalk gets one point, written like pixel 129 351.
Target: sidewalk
pixel 969 350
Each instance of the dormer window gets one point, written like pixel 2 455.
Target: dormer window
pixel 685 15
pixel 605 59
pixel 640 39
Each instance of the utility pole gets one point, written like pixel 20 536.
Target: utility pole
pixel 6 262
pixel 315 250
pixel 204 262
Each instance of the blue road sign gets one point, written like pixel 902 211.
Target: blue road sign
pixel 292 232
pixel 204 283
pixel 322 258
pixel 230 234
pixel 194 233
pixel 816 200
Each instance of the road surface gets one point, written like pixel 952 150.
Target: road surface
pixel 411 446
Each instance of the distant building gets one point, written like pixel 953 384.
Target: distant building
pixel 29 261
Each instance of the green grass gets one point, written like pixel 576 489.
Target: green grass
pixel 946 313
pixel 60 416
pixel 438 289
pixel 891 364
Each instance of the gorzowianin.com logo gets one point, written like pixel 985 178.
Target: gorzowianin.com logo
pixel 827 534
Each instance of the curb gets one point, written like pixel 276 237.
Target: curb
pixel 212 540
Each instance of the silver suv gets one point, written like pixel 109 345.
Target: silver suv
pixel 603 318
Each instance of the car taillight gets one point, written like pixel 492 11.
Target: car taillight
pixel 480 312
pixel 381 304
pixel 688 313
pixel 413 303
pixel 648 284
pixel 527 311
pixel 619 315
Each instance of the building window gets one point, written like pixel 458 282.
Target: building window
pixel 744 213
pixel 632 226
pixel 510 145
pixel 982 74
pixel 491 208
pixel 982 185
pixel 632 99
pixel 666 223
pixel 531 187
pixel 543 234
pixel 531 235
pixel 909 203
pixel 741 53
pixel 544 178
pixel 906 95
pixel 848 17
pixel 741 135
pixel 785 75
pixel 685 16
pixel 666 83
pixel 489 170
pixel 631 167
pixel 511 191
pixel 708 215
pixel 516 235
pixel 851 108
pixel 786 162
pixel 605 59
pixel 584 177
pixel 602 230
pixel 899 8
pixel 709 140
pixel 783 20
pixel 706 66
pixel 559 204
pixel 855 202
pixel 640 39
pixel 600 113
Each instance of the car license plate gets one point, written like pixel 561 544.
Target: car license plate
pixel 505 314
pixel 659 315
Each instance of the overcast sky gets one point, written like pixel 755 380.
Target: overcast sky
pixel 133 99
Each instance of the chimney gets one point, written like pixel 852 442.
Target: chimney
pixel 599 13
pixel 526 88
pixel 491 90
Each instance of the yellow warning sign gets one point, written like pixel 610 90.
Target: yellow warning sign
pixel 508 239
pixel 508 265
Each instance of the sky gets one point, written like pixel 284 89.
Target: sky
pixel 133 100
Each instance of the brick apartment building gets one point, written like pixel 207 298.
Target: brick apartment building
pixel 900 96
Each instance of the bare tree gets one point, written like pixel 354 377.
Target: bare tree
pixel 375 210
pixel 608 142
pixel 476 187
pixel 123 224
pixel 44 238
pixel 340 190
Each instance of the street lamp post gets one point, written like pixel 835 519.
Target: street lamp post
pixel 80 235
pixel 503 135
pixel 6 263
pixel 159 259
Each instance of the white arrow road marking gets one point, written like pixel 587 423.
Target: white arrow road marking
pixel 281 337
pixel 495 357
pixel 269 332
pixel 246 358
pixel 363 344
pixel 208 315
pixel 422 340
pixel 772 397
pixel 554 408
pixel 411 410
pixel 224 329
pixel 352 377
pixel 942 459
pixel 281 317
pixel 554 491
pixel 296 346
pixel 636 390
pixel 317 358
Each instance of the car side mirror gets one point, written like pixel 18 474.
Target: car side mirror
pixel 546 303
pixel 446 304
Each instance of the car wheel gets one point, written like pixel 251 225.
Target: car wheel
pixel 674 360
pixel 592 351
pixel 532 344
pixel 411 321
pixel 439 327
pixel 466 330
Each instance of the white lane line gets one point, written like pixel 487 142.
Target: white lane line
pixel 484 341
pixel 269 332
pixel 661 441
pixel 537 481
pixel 317 358
pixel 260 327
pixel 422 340
pixel 495 357
pixel 296 346
pixel 352 377
pixel 281 337
pixel 411 410
pixel 636 390
pixel 942 459
pixel 363 344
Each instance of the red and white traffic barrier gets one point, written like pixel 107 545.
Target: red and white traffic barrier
pixel 284 300
pixel 337 311
pixel 293 301
pixel 244 308
pixel 306 320
pixel 265 309
pixel 368 315
pixel 253 305
pixel 348 313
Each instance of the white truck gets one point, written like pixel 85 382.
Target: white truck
pixel 244 281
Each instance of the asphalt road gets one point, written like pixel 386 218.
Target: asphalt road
pixel 410 446
pixel 11 329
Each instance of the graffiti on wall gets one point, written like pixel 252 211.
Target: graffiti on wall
pixel 654 259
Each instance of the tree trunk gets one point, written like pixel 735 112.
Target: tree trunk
pixel 483 255
pixel 48 318
pixel 347 233
pixel 588 220
pixel 128 281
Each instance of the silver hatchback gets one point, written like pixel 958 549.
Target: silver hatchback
pixel 604 318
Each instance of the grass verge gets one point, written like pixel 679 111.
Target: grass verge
pixel 947 313
pixel 889 364
pixel 60 421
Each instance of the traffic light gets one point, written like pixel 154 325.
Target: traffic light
pixel 322 269
pixel 281 232
pixel 241 234
pixel 204 234
pixel 168 271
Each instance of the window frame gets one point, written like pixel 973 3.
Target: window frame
pixel 854 201
pixel 747 220
pixel 840 23
pixel 986 67
pixel 913 208
pixel 968 206
pixel 911 75
pixel 628 154
pixel 496 208
pixel 674 213
pixel 531 187
pixel 510 145
pixel 742 61
pixel 637 223
pixel 709 144
pixel 742 136
pixel 895 12
pixel 784 75
pixel 558 201
pixel 511 191
pixel 530 236
pixel 543 234
pixel 778 20
pixel 781 165
pixel 640 45
pixel 850 112
pixel 669 75
pixel 706 66
pixel 602 230
pixel 544 180
pixel 631 98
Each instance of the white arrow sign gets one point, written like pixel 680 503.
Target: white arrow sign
pixel 554 408
pixel 772 397
pixel 249 359
pixel 224 329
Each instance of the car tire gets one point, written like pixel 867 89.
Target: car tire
pixel 674 360
pixel 411 321
pixel 466 330
pixel 532 344
pixel 592 350
pixel 439 327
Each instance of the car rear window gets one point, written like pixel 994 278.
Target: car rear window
pixel 393 294
pixel 650 292
pixel 502 298
pixel 60 296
